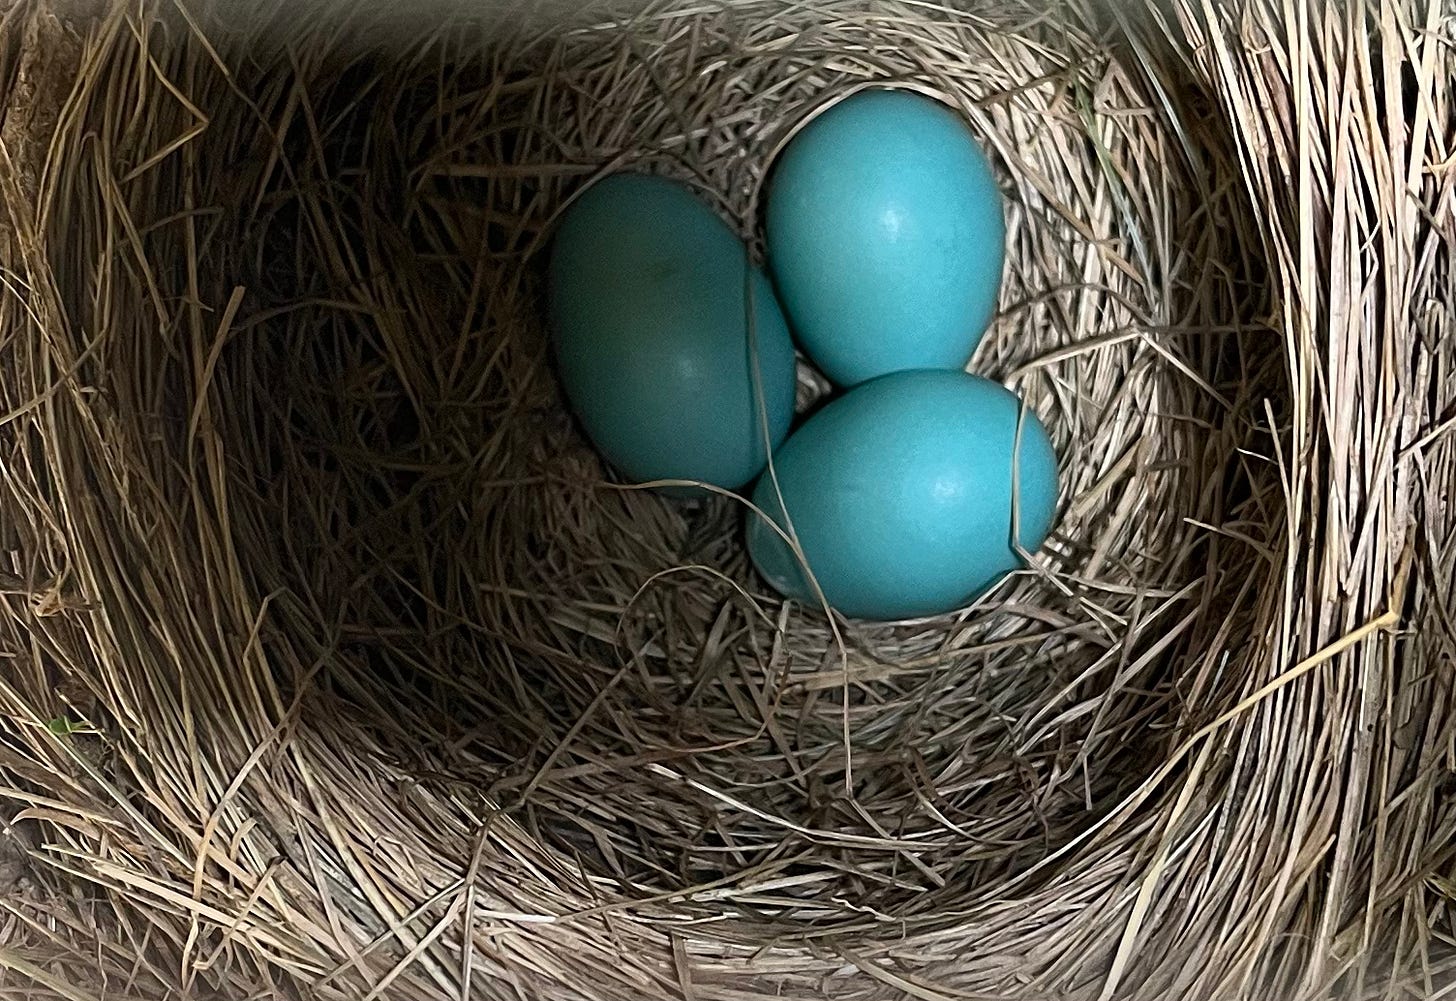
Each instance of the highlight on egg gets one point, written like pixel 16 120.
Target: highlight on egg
pixel 672 348
pixel 902 494
pixel 886 236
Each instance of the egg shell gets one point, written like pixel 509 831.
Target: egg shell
pixel 886 236
pixel 901 495
pixel 652 337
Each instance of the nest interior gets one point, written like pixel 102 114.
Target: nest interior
pixel 337 666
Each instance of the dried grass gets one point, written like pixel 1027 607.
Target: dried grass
pixel 336 668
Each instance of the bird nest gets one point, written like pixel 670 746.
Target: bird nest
pixel 337 666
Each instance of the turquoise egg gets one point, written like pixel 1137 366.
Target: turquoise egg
pixel 900 492
pixel 657 322
pixel 886 237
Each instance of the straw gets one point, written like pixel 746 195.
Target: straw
pixel 336 665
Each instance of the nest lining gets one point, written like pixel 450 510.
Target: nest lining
pixel 394 690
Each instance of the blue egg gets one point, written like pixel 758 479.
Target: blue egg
pixel 901 495
pixel 886 237
pixel 655 339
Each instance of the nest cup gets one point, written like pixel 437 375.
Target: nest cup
pixel 338 666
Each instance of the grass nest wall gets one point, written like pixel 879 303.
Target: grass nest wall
pixel 336 666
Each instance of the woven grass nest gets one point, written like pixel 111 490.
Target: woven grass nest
pixel 335 665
